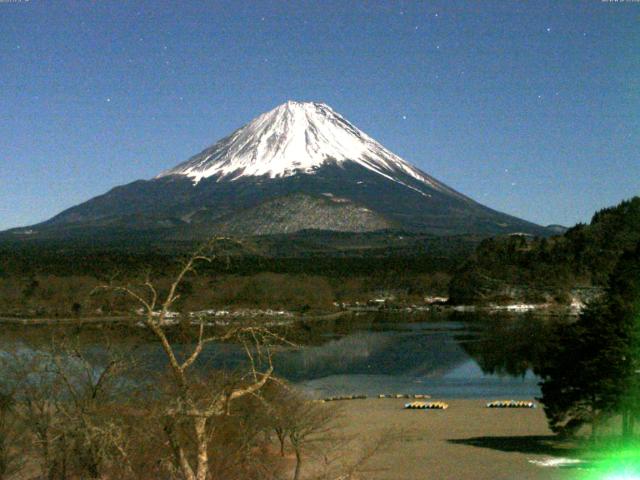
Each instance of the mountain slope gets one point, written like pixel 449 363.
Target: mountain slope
pixel 307 160
pixel 299 211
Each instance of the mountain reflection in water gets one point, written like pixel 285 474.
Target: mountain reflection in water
pixel 445 355
pixel 442 354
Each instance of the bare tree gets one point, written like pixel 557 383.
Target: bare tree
pixel 10 435
pixel 65 392
pixel 38 391
pixel 298 422
pixel 188 408
pixel 312 432
pixel 310 423
pixel 88 390
pixel 89 418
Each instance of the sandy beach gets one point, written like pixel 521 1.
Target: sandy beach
pixel 466 441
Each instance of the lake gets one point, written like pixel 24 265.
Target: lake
pixel 443 354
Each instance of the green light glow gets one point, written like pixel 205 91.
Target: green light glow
pixel 623 464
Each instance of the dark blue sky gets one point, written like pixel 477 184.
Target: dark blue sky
pixel 532 108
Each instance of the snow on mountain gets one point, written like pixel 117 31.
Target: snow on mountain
pixel 301 166
pixel 298 137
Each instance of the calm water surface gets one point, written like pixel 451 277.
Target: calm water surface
pixel 444 355
pixel 448 355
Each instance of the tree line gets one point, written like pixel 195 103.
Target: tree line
pixel 518 267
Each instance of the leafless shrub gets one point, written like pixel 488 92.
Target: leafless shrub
pixel 192 407
pixel 10 436
pixel 86 419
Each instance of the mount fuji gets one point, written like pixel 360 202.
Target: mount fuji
pixel 300 166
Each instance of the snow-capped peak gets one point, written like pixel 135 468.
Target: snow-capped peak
pixel 296 137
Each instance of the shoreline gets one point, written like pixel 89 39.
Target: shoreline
pixel 208 320
pixel 223 317
pixel 467 441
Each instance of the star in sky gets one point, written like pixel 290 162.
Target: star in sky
pixel 518 70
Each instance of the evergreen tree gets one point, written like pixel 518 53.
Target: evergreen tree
pixel 592 370
pixel 583 376
pixel 623 296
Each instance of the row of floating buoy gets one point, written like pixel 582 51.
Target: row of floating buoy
pixel 382 395
pixel 511 404
pixel 403 395
pixel 433 405
pixel 345 397
pixel 426 406
pixel 494 404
